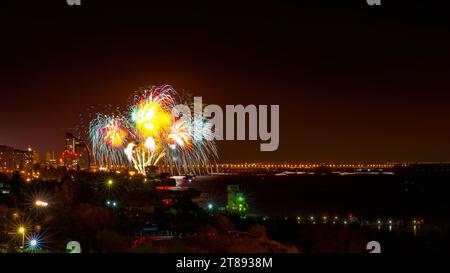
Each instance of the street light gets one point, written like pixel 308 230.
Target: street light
pixel 111 203
pixel 40 203
pixel 33 243
pixel 21 231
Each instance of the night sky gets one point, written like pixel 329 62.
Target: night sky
pixel 354 83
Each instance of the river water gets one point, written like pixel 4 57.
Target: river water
pixel 366 196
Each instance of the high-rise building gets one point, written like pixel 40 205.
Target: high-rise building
pixel 23 159
pixel 51 161
pixel 14 159
pixel 76 153
pixel 6 158
pixel 36 158
pixel 48 157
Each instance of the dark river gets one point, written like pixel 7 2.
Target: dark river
pixel 365 196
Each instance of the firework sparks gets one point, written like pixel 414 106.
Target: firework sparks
pixel 148 135
pixel 108 136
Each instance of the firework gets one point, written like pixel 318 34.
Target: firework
pixel 185 152
pixel 108 136
pixel 149 135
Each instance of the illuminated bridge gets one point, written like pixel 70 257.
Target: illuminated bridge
pixel 275 168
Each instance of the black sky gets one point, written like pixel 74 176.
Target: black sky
pixel 354 82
